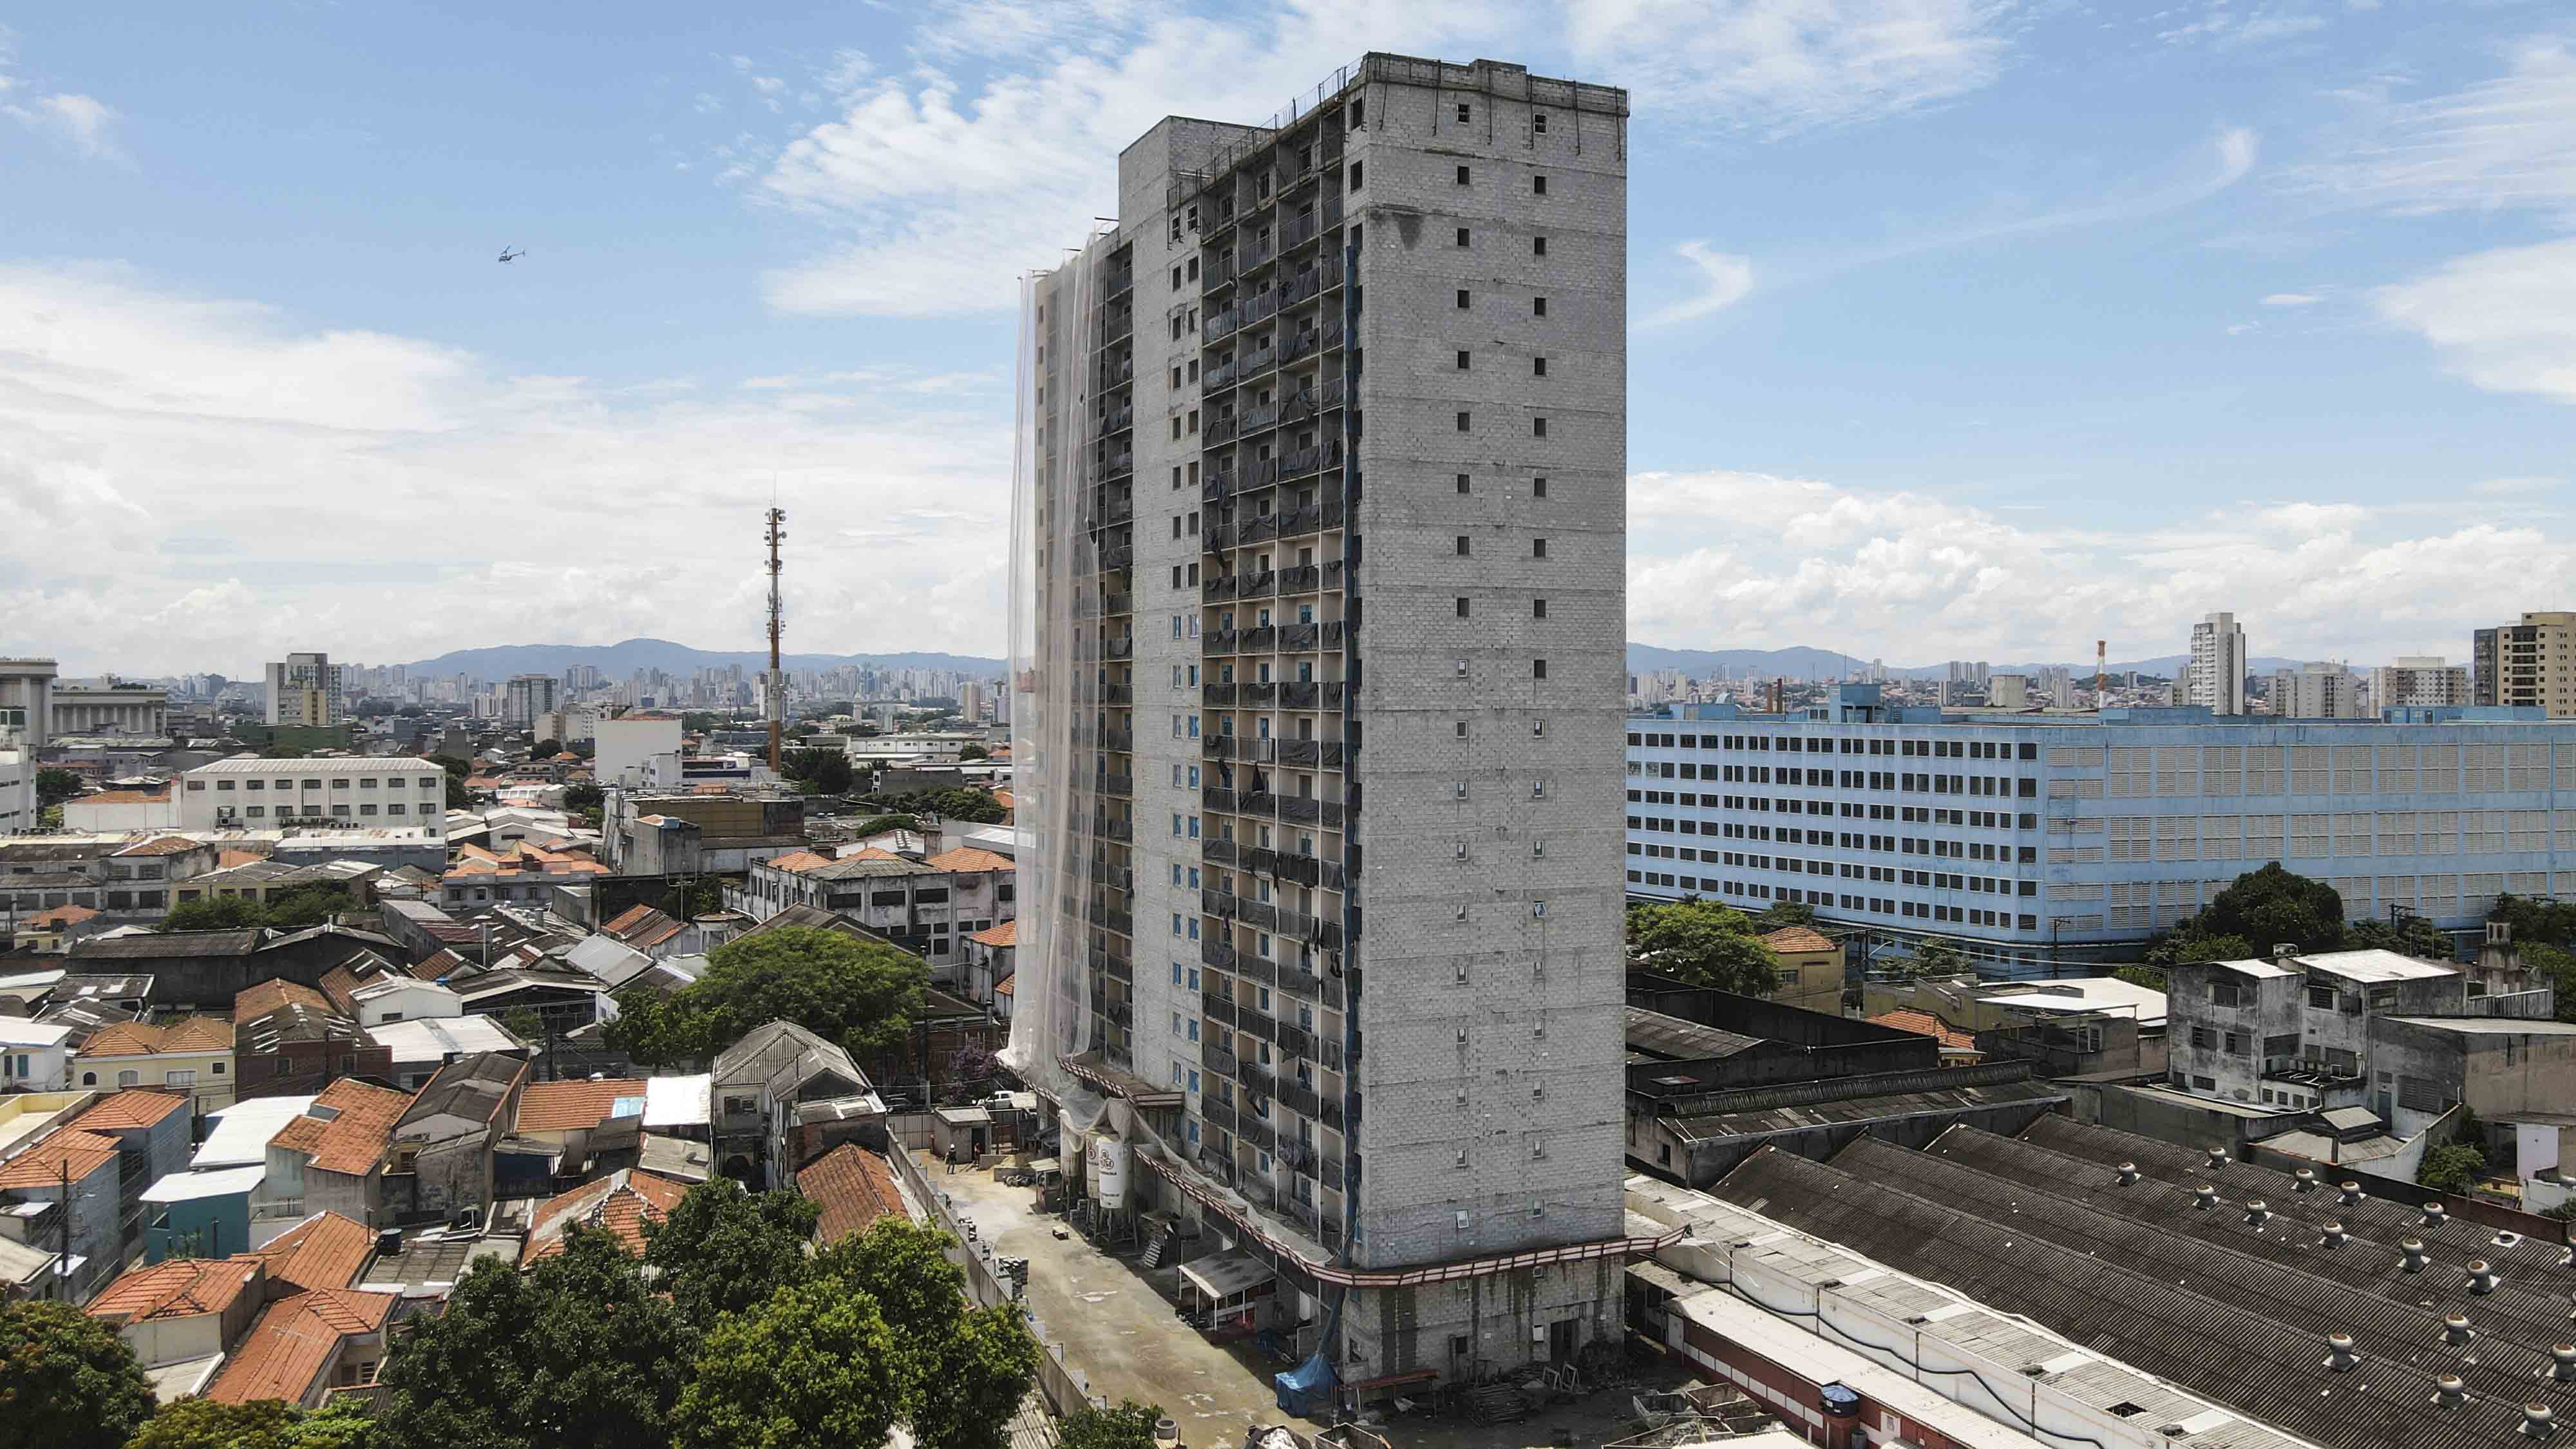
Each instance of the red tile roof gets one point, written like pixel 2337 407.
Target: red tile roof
pixel 346 1128
pixel 1926 1024
pixel 162 845
pixel 619 1202
pixel 642 927
pixel 967 859
pixel 44 1164
pixel 134 1039
pixel 566 1106
pixel 325 1250
pixel 796 861
pixel 125 797
pixel 1799 938
pixel 294 1342
pixel 854 1187
pixel 1008 986
pixel 1005 934
pixel 253 1002
pixel 131 1109
pixel 177 1288
pixel 62 916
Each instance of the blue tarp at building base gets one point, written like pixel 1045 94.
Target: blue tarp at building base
pixel 1307 1389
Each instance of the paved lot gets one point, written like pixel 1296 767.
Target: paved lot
pixel 1119 1331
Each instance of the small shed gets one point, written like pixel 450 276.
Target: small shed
pixel 961 1134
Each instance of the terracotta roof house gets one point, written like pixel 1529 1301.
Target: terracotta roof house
pixel 325 1250
pixel 1958 1047
pixel 89 1162
pixel 180 1316
pixel 854 1187
pixel 305 1346
pixel 333 1157
pixel 618 1203
pixel 646 928
pixel 444 1144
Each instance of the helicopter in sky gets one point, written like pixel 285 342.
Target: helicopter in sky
pixel 509 254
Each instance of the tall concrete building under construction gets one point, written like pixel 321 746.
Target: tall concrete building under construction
pixel 1318 666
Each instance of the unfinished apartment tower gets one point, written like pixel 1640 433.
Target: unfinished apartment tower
pixel 1318 651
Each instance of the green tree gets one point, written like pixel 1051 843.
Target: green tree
pixel 575 1353
pixel 307 906
pixel 2416 936
pixel 879 824
pixel 861 994
pixel 67 1380
pixel 2452 1169
pixel 975 807
pixel 698 721
pixel 816 1364
pixel 224 913
pixel 2179 948
pixel 2557 965
pixel 2549 922
pixel 53 787
pixel 1129 1426
pixel 1787 913
pixel 207 1424
pixel 2150 977
pixel 1704 943
pixel 827 771
pixel 973 752
pixel 962 1373
pixel 334 1426
pixel 545 749
pixel 2273 905
pixel 584 797
pixel 724 1250
pixel 524 1023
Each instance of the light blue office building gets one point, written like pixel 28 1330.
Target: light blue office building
pixel 2040 840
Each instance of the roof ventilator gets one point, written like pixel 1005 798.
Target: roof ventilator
pixel 2451 1395
pixel 2303 1180
pixel 2536 1421
pixel 2257 1212
pixel 2217 1158
pixel 2344 1360
pixel 2204 1197
pixel 2434 1216
pixel 2456 1330
pixel 2128 1174
pixel 2482 1278
pixel 2413 1248
pixel 2334 1233
pixel 2563 1363
pixel 2351 1192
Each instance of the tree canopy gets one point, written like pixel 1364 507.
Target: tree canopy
pixel 861 994
pixel 879 824
pixel 214 913
pixel 200 1423
pixel 2414 936
pixel 1787 913
pixel 814 1364
pixel 2452 1169
pixel 2179 949
pixel 53 786
pixel 827 771
pixel 576 1352
pixel 1704 943
pixel 2273 905
pixel 973 752
pixel 975 807
pixel 724 1250
pixel 290 910
pixel 67 1380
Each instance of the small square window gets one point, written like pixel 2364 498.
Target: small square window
pixel 1538 669
pixel 1462 729
pixel 1462 359
pixel 1538 548
pixel 1538 427
pixel 1462 299
pixel 1538 246
pixel 1463 176
pixel 1462 608
pixel 1538 306
pixel 1462 545
pixel 1462 236
pixel 1538 608
pixel 1538 184
pixel 1538 124
pixel 1538 367
pixel 1463 113
pixel 1355 166
pixel 1462 422
pixel 1462 482
pixel 1538 488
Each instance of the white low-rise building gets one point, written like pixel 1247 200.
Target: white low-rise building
pixel 35 1056
pixel 255 793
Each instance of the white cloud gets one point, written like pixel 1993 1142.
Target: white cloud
pixel 2503 319
pixel 2502 144
pixel 1730 559
pixel 2518 485
pixel 1778 67
pixel 2226 27
pixel 221 446
pixel 1724 281
pixel 2292 299
pixel 82 122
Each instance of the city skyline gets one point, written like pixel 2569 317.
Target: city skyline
pixel 2212 297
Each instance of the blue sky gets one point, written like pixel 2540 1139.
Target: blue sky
pixel 1959 327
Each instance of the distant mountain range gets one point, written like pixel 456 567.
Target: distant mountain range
pixel 1807 663
pixel 618 661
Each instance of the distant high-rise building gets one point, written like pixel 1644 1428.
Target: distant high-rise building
pixel 1191 957
pixel 2418 681
pixel 2324 689
pixel 2216 675
pixel 527 696
pixel 2530 664
pixel 304 691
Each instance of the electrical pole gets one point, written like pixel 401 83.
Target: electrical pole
pixel 777 617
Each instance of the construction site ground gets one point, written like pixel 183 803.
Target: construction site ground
pixel 1120 1333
